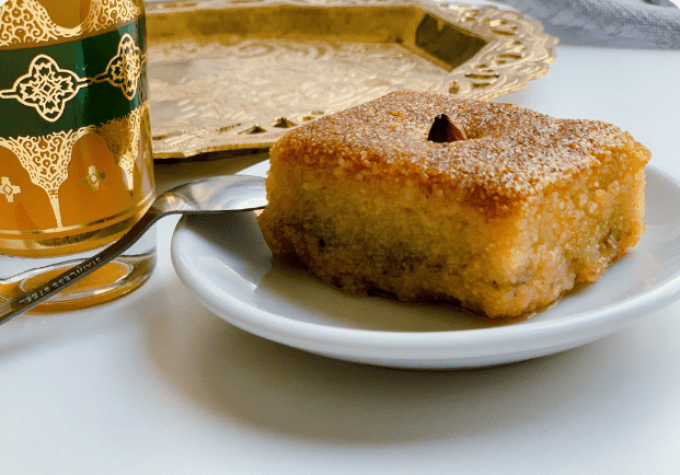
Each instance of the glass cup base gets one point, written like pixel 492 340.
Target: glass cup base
pixel 118 278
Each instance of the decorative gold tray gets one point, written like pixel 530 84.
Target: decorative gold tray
pixel 235 75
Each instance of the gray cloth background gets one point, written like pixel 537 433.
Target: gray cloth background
pixel 619 23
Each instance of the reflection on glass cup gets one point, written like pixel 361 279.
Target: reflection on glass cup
pixel 76 169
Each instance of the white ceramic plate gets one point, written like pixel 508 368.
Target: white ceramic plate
pixel 227 265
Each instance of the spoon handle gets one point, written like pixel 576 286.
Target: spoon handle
pixel 13 307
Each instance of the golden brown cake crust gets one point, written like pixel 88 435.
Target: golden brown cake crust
pixel 502 222
pixel 512 152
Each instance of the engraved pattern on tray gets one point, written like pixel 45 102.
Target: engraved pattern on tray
pixel 227 92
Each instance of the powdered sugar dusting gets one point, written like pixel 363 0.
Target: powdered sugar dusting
pixel 511 152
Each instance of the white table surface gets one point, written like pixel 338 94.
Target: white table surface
pixel 156 384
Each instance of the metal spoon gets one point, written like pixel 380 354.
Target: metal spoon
pixel 214 195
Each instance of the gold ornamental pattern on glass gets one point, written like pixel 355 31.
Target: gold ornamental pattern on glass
pixel 46 159
pixel 235 75
pixel 28 22
pixel 47 88
pixel 43 159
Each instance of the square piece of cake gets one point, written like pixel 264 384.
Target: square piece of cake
pixel 503 219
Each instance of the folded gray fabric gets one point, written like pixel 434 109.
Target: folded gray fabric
pixel 621 23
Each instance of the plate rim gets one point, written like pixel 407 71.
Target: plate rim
pixel 459 344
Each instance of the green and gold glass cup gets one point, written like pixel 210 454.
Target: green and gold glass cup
pixel 76 169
